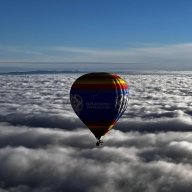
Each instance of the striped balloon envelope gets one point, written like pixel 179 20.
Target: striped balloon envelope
pixel 99 100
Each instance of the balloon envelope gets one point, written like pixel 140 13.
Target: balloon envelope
pixel 99 100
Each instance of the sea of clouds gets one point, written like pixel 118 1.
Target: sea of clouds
pixel 44 147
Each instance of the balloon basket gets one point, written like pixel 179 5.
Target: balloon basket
pixel 99 143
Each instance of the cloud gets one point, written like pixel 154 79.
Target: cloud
pixel 143 54
pixel 173 56
pixel 44 146
pixel 133 160
pixel 164 124
pixel 66 121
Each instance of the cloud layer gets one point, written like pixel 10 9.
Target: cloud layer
pixel 144 57
pixel 44 147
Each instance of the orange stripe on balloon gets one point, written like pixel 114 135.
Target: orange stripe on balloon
pixel 101 81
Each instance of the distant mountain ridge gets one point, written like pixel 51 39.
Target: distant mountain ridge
pixel 130 72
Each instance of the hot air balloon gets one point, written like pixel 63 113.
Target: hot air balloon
pixel 99 100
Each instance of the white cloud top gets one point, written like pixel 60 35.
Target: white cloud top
pixel 44 147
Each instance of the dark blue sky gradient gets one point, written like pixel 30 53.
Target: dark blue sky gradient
pixel 100 24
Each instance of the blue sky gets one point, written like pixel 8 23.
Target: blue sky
pixel 119 34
